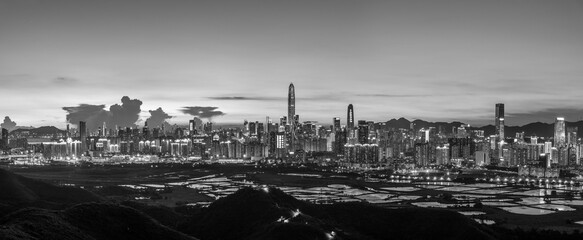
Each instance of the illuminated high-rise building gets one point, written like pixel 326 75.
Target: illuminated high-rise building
pixel 560 138
pixel 208 128
pixel 336 124
pixel 350 118
pixel 191 127
pixel 291 104
pixel 363 132
pixel 291 115
pixel 572 136
pixel 267 123
pixel 499 121
pixel 83 135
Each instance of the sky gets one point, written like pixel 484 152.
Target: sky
pixel 437 60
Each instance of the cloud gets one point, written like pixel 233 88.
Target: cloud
pixel 393 95
pixel 8 124
pixel 65 80
pixel 202 112
pixel 239 98
pixel 124 115
pixel 157 117
pixel 93 115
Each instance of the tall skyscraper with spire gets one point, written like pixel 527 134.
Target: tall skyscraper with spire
pixel 291 112
pixel 560 132
pixel 499 121
pixel 499 124
pixel 350 117
pixel 291 103
pixel 350 122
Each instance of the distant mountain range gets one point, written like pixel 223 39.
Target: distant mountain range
pixel 538 129
pixel 40 131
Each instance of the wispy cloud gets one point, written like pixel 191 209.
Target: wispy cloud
pixel 394 95
pixel 65 80
pixel 240 98
pixel 202 112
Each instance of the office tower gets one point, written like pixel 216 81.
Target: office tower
pixel 350 118
pixel 291 115
pixel 339 141
pixel 191 126
pixel 252 129
pixel 208 127
pixel 499 121
pixel 559 132
pixel 572 136
pixel 104 130
pixel 68 131
pixel 4 141
pixel 260 129
pixel 336 124
pixel 267 123
pixel 83 135
pixel 146 131
pixel 362 132
pixel 291 105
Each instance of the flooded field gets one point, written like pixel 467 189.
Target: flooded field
pixel 487 203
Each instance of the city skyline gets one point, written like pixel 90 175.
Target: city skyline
pixel 208 113
pixel 436 61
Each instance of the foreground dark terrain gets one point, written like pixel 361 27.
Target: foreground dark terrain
pixel 33 209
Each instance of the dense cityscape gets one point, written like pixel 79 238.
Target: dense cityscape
pixel 305 119
pixel 358 144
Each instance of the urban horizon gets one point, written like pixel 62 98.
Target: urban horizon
pixel 212 114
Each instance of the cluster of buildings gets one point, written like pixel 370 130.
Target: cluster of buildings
pixel 362 143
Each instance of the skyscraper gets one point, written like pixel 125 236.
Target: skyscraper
pixel 291 115
pixel 363 132
pixel 572 136
pixel 291 104
pixel 350 118
pixel 83 135
pixel 499 121
pixel 191 127
pixel 4 138
pixel 336 124
pixel 560 132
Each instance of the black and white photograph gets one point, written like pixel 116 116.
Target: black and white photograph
pixel 291 119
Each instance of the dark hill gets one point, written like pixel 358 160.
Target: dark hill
pixel 258 214
pixel 19 191
pixel 404 223
pixel 254 214
pixel 84 221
